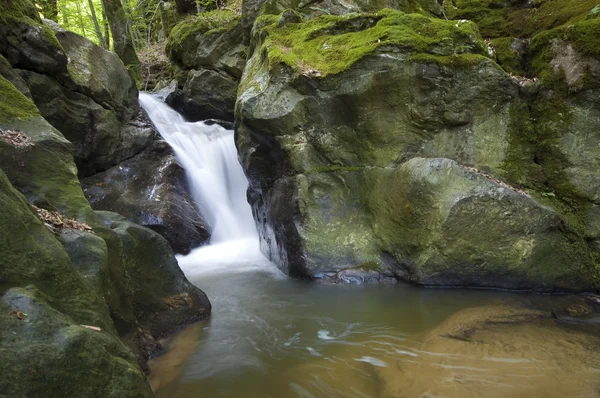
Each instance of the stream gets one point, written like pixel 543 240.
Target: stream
pixel 272 336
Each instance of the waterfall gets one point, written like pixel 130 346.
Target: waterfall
pixel 218 186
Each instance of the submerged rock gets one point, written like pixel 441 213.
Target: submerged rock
pixel 150 189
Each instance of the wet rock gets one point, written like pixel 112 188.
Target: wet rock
pixel 150 189
pixel 153 296
pixel 206 94
pixel 213 58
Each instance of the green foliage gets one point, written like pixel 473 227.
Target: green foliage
pixel 330 44
pixel 206 23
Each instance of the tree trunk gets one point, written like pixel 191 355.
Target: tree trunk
pixel 186 6
pixel 106 29
pixel 97 26
pixel 49 9
pixel 122 42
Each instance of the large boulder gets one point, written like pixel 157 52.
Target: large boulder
pixel 82 90
pixel 47 307
pixel 150 296
pixel 449 225
pixel 151 189
pixel 330 113
pixel 99 138
pixel 206 94
pixel 211 52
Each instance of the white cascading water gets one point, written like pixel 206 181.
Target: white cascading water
pixel 218 185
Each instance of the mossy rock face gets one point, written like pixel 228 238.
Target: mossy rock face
pixel 329 112
pixel 148 283
pixel 8 73
pixel 44 304
pixel 447 225
pixel 519 18
pixel 81 89
pixel 160 202
pixel 100 138
pixel 45 172
pixel 330 44
pixel 210 48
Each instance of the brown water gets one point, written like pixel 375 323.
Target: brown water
pixel 274 337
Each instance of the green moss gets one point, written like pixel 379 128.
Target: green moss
pixel 207 23
pixel 332 168
pixel 507 57
pixel 18 10
pixel 24 11
pixel 585 37
pixel 497 18
pixel 370 265
pixel 330 44
pixel 13 104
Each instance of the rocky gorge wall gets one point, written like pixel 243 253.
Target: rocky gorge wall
pixel 86 295
pixel 450 144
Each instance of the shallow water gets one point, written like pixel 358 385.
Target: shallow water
pixel 271 336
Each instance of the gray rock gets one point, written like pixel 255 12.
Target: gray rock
pixel 150 189
pixel 206 94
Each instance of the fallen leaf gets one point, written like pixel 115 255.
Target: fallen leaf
pixel 18 314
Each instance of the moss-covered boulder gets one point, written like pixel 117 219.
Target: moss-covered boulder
pixel 331 109
pixel 161 201
pixel 47 311
pixel 81 89
pixel 150 296
pixel 210 50
pixel 445 224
